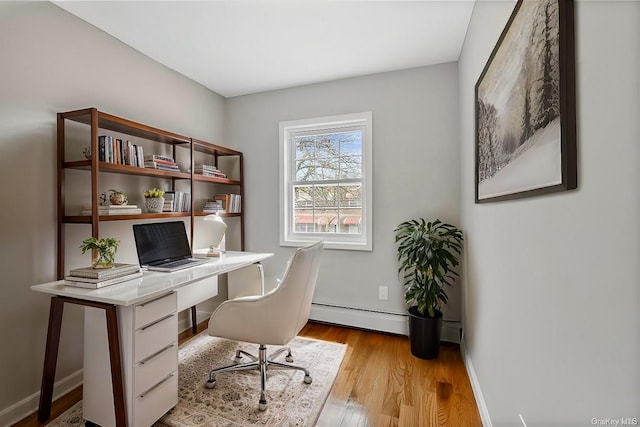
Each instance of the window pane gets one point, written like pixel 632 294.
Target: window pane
pixel 326 196
pixel 327 168
pixel 327 145
pixel 328 209
pixel 305 170
pixel 304 147
pixel 351 143
pixel 350 167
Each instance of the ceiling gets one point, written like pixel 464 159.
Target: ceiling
pixel 238 47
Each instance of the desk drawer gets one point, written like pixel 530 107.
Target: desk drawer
pixel 157 366
pixel 155 402
pixel 148 312
pixel 154 337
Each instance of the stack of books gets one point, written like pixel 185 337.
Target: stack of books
pixel 209 170
pixel 160 162
pixel 88 277
pixel 114 210
pixel 212 206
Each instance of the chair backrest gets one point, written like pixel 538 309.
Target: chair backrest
pixel 298 284
pixel 277 316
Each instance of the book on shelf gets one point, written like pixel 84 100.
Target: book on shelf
pixel 209 170
pixel 114 210
pixel 158 158
pixel 119 151
pixel 176 201
pixel 83 282
pixel 108 207
pixel 118 269
pixel 161 166
pixel 231 203
pixel 212 206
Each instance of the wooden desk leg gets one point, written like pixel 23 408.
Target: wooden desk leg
pixel 116 365
pixel 50 358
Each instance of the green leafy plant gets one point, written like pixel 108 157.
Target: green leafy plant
pixel 106 247
pixel 154 192
pixel 427 253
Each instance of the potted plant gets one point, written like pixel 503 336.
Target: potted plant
pixel 117 197
pixel 105 248
pixel 154 200
pixel 427 253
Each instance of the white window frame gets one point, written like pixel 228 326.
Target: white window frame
pixel 288 236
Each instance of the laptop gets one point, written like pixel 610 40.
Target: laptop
pixel 163 246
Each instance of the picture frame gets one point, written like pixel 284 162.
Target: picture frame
pixel 525 113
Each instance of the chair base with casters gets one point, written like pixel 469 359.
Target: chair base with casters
pixel 262 363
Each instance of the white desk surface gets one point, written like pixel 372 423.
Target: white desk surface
pixel 153 284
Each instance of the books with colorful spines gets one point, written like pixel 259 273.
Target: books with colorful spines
pixel 118 269
pixel 83 282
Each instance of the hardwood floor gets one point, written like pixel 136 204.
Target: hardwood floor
pixel 380 384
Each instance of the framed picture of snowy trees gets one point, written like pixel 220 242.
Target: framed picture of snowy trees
pixel 525 106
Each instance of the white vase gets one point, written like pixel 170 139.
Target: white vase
pixel 154 204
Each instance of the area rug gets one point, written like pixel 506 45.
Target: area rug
pixel 234 400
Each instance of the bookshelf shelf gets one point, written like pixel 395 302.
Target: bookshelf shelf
pixel 190 149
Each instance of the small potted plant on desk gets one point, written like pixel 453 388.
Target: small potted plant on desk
pixel 427 253
pixel 154 200
pixel 106 249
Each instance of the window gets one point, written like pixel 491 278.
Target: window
pixel 325 181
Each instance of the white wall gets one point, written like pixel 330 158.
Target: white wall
pixel 552 283
pixel 415 172
pixel 52 62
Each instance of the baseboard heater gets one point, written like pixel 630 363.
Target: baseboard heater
pixel 375 320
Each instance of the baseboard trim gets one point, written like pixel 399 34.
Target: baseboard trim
pixel 376 320
pixel 29 405
pixel 475 385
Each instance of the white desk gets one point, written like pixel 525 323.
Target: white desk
pixel 131 351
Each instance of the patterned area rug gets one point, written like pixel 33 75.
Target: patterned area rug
pixel 234 400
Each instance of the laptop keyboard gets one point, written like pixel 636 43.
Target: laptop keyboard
pixel 177 263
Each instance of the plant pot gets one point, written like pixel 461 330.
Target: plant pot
pixel 424 334
pixel 102 260
pixel 118 199
pixel 154 204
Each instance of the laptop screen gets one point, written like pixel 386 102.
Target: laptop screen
pixel 161 241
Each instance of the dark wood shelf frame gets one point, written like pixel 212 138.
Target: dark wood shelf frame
pixel 101 121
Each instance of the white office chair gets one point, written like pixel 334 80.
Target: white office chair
pixel 274 318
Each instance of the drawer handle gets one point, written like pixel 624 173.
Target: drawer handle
pixel 143 395
pixel 154 300
pixel 146 359
pixel 157 321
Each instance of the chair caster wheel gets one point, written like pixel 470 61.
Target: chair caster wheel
pixel 262 406
pixel 210 383
pixel 289 359
pixel 308 379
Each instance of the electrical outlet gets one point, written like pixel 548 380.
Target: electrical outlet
pixel 383 293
